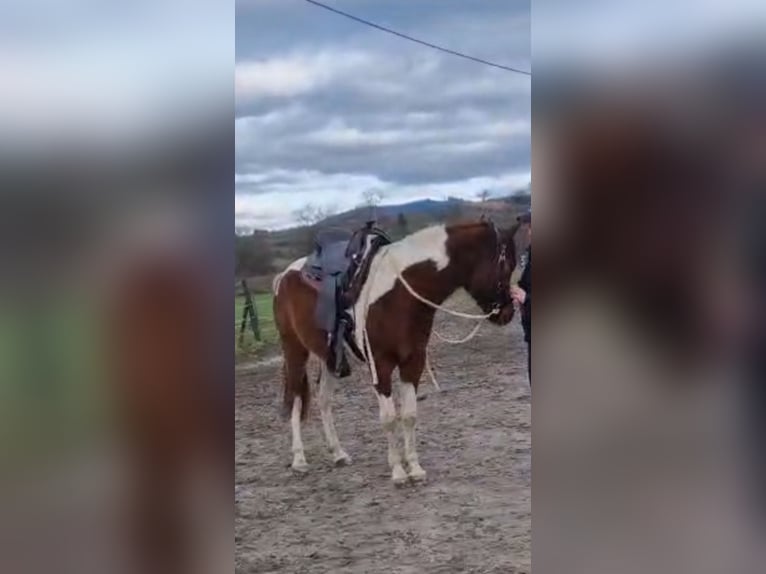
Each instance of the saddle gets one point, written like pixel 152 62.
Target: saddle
pixel 338 268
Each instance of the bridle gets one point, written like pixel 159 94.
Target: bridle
pixel 502 296
pixel 501 257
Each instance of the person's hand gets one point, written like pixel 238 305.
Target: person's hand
pixel 518 294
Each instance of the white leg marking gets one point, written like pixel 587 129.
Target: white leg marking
pixel 409 418
pixel 326 387
pixel 299 459
pixel 389 421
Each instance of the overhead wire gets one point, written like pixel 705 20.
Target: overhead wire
pixel 417 41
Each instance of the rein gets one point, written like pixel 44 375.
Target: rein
pixel 433 305
pixel 471 316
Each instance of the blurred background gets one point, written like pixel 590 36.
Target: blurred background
pixel 648 190
pixel 116 213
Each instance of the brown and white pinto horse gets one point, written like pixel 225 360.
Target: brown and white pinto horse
pixel 435 262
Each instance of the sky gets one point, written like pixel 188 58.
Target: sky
pixel 102 74
pixel 327 108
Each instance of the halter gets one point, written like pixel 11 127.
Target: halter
pixel 501 257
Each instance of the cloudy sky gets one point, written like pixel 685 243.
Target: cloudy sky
pixel 327 108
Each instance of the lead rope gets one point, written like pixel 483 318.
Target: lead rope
pixel 416 295
pixel 434 305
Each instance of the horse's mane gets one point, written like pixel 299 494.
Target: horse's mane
pixel 468 225
pixel 482 223
pixel 451 228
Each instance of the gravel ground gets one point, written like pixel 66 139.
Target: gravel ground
pixel 473 514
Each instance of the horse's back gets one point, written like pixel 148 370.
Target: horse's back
pixel 294 303
pixel 294 266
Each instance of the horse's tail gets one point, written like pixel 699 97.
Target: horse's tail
pixel 292 349
pixel 289 395
pixel 275 283
pixel 287 401
pixel 305 394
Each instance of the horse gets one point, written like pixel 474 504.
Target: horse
pixel 174 412
pixel 408 281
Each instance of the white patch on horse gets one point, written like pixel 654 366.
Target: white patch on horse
pixel 388 420
pixel 409 419
pixel 429 244
pixel 299 458
pixel 294 266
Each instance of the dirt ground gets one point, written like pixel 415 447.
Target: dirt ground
pixel 473 514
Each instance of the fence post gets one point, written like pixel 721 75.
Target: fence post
pixel 249 312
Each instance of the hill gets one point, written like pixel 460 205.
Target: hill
pixel 263 249
pixel 428 208
pixel 425 212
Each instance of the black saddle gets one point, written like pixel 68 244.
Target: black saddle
pixel 340 265
pixel 330 256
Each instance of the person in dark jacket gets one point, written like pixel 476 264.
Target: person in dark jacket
pixel 521 293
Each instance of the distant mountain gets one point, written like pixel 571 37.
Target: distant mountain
pixel 520 200
pixel 286 245
pixel 431 210
pixel 423 206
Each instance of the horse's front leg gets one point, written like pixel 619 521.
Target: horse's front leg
pixel 409 420
pixel 389 421
pixel 410 373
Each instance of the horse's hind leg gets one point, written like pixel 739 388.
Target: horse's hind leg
pixel 297 396
pixel 326 387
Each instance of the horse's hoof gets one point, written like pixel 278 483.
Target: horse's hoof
pixel 300 466
pixel 398 476
pixel 417 474
pixel 342 459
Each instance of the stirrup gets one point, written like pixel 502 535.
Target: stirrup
pixel 337 364
pixel 336 357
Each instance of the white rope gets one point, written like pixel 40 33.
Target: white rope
pixel 367 347
pixel 365 336
pixel 431 373
pixel 465 339
pixel 433 305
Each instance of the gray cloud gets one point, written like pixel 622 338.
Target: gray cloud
pixel 350 107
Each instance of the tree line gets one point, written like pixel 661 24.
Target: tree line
pixel 261 252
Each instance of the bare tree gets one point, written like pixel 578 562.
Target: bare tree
pixel 254 254
pixel 372 198
pixel 483 195
pixel 311 214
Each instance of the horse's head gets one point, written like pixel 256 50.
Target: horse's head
pixel 484 257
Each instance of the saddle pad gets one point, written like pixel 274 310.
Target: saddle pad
pixel 311 280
